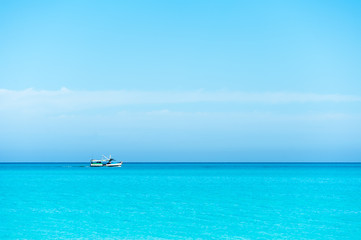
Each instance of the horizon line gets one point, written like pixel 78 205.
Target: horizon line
pixel 296 162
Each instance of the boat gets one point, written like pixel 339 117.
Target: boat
pixel 105 162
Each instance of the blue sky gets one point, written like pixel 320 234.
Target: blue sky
pixel 180 80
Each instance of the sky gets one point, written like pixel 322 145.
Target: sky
pixel 149 81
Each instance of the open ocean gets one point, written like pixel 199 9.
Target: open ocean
pixel 180 201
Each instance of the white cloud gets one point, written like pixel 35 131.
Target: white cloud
pixel 64 100
pixel 32 115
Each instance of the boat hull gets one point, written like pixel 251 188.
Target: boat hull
pixel 113 165
pixel 96 165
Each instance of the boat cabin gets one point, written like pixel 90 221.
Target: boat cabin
pixel 96 163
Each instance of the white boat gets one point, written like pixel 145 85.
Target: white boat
pixel 105 162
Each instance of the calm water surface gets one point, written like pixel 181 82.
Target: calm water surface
pixel 180 201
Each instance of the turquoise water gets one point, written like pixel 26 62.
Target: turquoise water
pixel 180 201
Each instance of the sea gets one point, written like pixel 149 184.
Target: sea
pixel 180 201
